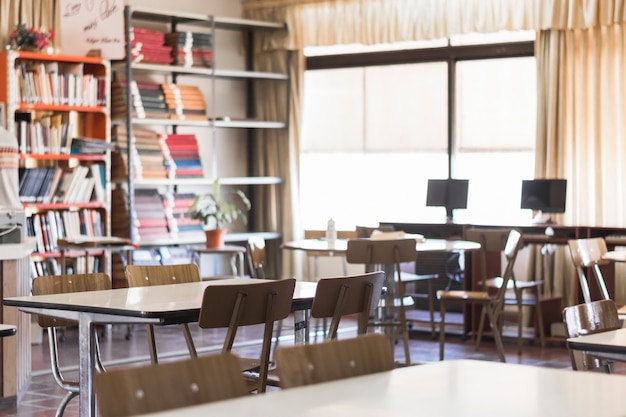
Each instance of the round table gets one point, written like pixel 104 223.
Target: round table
pixel 341 245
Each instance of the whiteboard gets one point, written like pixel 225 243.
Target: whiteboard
pixel 92 25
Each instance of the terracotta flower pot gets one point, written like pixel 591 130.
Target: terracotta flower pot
pixel 215 238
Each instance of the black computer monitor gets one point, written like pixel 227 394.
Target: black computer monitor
pixel 449 193
pixel 545 196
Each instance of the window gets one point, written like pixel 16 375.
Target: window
pixel 376 126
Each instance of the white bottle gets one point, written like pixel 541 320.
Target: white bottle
pixel 331 233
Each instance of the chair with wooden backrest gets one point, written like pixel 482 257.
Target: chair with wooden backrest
pixel 244 304
pixel 492 304
pixel 149 275
pixel 525 293
pixel 165 386
pixel 341 296
pixel 387 255
pixel 334 359
pixel 315 256
pixel 589 318
pixel 587 253
pixel 257 257
pixel 57 284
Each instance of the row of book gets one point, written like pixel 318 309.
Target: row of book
pixel 156 217
pixel 50 226
pixel 50 132
pixel 81 184
pixel 51 266
pixel 46 83
pixel 157 101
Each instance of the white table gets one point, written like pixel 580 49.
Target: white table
pixel 608 345
pixel 447 388
pixel 161 304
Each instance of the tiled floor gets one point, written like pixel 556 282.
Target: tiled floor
pixel 43 395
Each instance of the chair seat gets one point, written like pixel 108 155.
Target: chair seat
pixel 465 295
pixel 406 301
pixel 521 285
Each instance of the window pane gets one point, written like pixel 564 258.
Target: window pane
pixel 366 188
pixel 496 104
pixel 333 110
pixel 406 107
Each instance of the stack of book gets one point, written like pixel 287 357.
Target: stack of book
pixel 185 102
pixel 190 49
pixel 152 216
pixel 146 100
pixel 146 154
pixel 148 46
pixel 185 159
pixel 188 228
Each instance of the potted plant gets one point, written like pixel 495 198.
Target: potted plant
pixel 216 209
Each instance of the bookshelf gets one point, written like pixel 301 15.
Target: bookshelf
pixel 189 75
pixel 57 107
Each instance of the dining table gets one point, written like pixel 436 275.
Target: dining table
pixel 437 389
pixel 159 305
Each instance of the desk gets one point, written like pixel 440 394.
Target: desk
pixel 93 243
pixel 439 389
pixel 161 304
pixel 607 345
pixel 615 256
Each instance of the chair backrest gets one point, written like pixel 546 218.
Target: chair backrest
pixel 336 359
pixel 366 231
pixel 589 318
pixel 509 247
pixel 321 234
pixel 337 297
pixel 149 275
pixel 243 304
pixel 257 257
pixel 375 253
pixel 57 284
pixel 492 244
pixel 146 389
pixel 587 253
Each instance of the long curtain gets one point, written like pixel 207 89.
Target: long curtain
pixel 581 132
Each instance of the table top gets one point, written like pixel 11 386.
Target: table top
pixel 612 341
pixel 222 249
pixel 447 388
pixel 341 245
pixel 615 256
pixel 175 303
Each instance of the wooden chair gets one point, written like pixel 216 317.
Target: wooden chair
pixel 525 293
pixel 257 257
pixel 58 284
pixel 244 304
pixel 387 255
pixel 165 386
pixel 492 304
pixel 587 253
pixel 341 296
pixel 331 360
pixel 149 275
pixel 589 318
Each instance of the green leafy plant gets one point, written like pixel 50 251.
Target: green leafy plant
pixel 217 206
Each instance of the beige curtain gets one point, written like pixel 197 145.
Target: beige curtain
pixel 581 130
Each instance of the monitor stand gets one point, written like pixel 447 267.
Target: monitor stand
pixel 542 218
